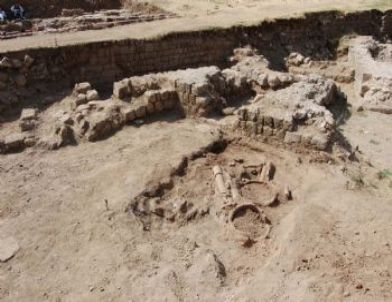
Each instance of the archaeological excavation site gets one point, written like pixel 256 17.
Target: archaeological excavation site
pixel 175 152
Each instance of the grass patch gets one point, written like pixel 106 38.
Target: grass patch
pixel 384 174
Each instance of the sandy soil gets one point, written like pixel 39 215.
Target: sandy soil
pixel 196 15
pixel 67 210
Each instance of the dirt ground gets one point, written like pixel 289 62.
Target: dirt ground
pixel 134 217
pixel 69 212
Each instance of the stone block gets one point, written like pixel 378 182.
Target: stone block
pixel 28 114
pixel 159 106
pixel 92 95
pixel 141 111
pixel 121 89
pixel 129 115
pixel 14 142
pixel 82 87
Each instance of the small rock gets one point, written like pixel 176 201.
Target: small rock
pixel 82 87
pixel 6 62
pixel 14 142
pixel 28 114
pixel 92 95
pixel 274 81
pixel 228 111
pixel 8 248
pixel 28 61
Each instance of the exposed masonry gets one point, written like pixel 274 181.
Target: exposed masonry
pixel 315 35
pixel 279 106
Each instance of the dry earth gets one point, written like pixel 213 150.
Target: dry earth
pixel 138 216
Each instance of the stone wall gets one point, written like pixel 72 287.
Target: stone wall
pixel 102 63
pixel 51 8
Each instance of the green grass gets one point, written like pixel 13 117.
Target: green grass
pixel 384 174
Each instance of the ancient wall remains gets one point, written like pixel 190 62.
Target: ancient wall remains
pixel 102 63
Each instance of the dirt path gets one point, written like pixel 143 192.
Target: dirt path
pixel 196 15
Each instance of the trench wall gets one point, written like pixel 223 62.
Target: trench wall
pixel 102 63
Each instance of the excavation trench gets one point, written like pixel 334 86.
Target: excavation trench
pixel 315 35
pixel 279 81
